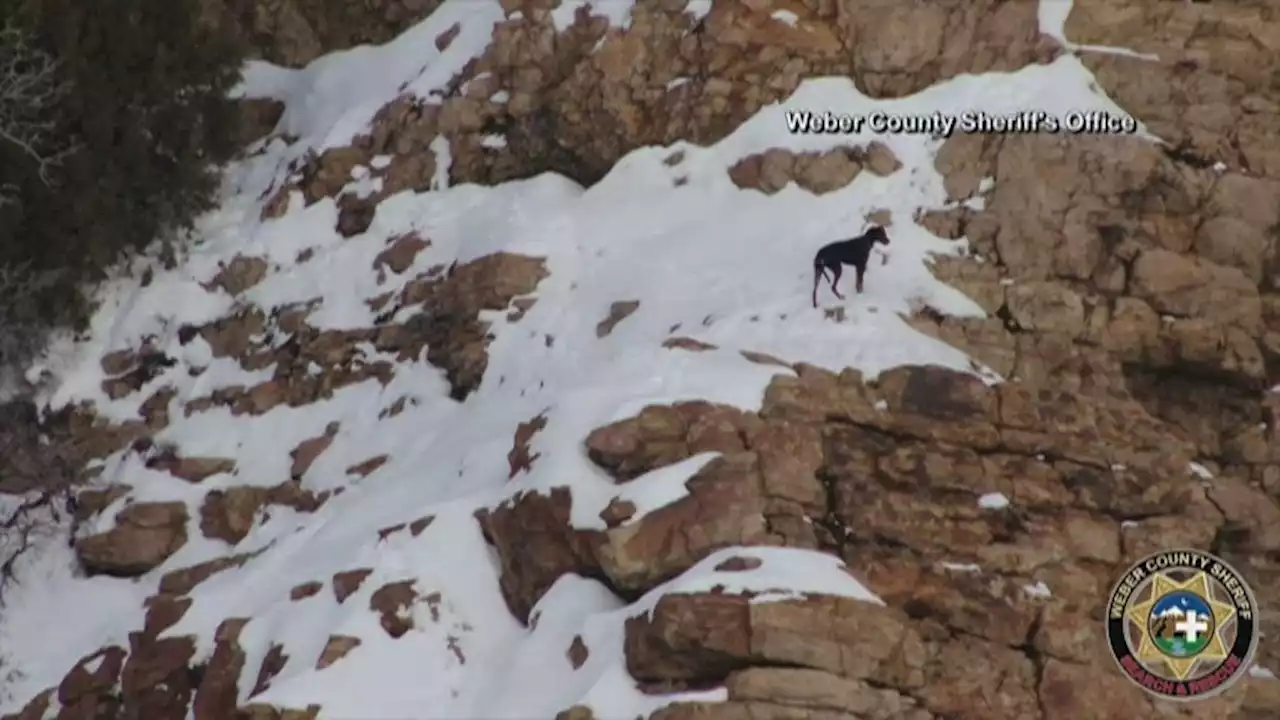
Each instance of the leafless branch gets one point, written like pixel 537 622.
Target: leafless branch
pixel 29 90
pixel 19 531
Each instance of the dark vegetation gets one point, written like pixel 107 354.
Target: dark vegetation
pixel 113 118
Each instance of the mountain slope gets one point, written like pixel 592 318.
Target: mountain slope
pixel 326 424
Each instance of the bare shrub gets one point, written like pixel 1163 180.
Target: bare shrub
pixel 30 90
pixel 38 471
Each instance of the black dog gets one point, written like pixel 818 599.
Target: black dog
pixel 853 252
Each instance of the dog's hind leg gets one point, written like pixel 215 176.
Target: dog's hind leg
pixel 835 281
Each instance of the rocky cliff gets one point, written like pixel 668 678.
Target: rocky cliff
pixel 1131 303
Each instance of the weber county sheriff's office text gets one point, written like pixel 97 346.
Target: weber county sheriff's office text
pixel 945 125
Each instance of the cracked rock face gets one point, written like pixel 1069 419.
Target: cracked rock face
pixel 891 476
pixel 292 33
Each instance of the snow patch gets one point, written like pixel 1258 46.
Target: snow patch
pixel 444 162
pixel 1037 590
pixel 617 12
pixel 785 16
pixel 993 501
pixel 698 9
pixel 653 490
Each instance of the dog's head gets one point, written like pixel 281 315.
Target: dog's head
pixel 877 234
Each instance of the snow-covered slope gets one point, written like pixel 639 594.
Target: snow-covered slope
pixel 726 266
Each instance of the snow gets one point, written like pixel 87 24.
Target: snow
pixel 335 96
pixel 649 492
pixel 993 501
pixel 785 16
pixel 698 9
pixel 617 12
pixel 634 235
pixel 1038 590
pixel 444 162
pixel 1200 471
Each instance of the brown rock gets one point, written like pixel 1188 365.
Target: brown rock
pixel 880 160
pixel 417 527
pixel 305 454
pixel 335 649
pixel 617 512
pixel 400 253
pixel 217 692
pixel 239 275
pixel 183 581
pixel 119 362
pixel 295 32
pixel 155 680
pixel 348 582
pixel 258 117
pixel 817 690
pixel 305 590
pixel 191 469
pixel 263 711
pixel 817 172
pixel 230 514
pixel 618 311
pixel 535 546
pixel 145 535
pixel 687 343
pixel 446 38
pixel 724 507
pixel 577 652
pixel 1190 287
pixel 393 603
pixel 365 468
pixel 449 328
pixel 163 612
pixel 519 458
pixel 577 712
pixel 81 683
pixel 630 448
pixel 739 564
pixel 764 359
pixel 355 215
pixel 1046 307
pixel 93 501
pixel 272 663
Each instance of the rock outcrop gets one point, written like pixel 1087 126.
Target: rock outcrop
pixel 292 33
pixel 891 476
